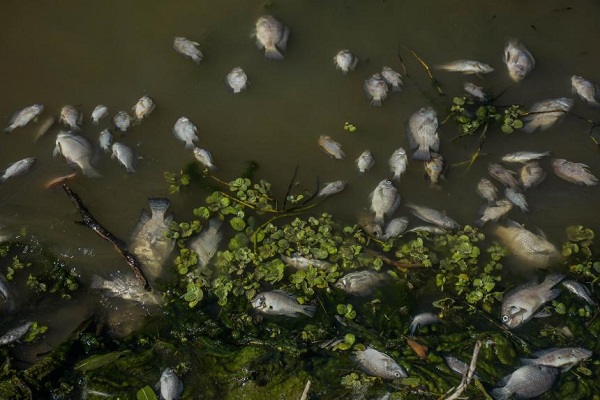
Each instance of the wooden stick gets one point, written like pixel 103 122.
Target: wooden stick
pixel 468 377
pixel 306 389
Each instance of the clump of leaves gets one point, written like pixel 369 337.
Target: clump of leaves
pixel 349 127
pixel 176 180
pixel 55 279
pixel 578 253
pixel 471 116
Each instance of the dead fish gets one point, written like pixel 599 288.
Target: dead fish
pixel 434 168
pixel 7 301
pixel 185 131
pixel 435 230
pixel 503 175
pixel 207 242
pixel 517 198
pixel 580 291
pixel 392 78
pixel 365 161
pixel 466 67
pixel 487 190
pixel 71 117
pixel 545 113
pixel 526 382
pixel 126 287
pixel 524 156
pixel 23 117
pixel 458 366
pixel 59 181
pixel 15 334
pixel 376 363
pixel 124 155
pixel 237 80
pixel 366 222
pixel 143 108
pixel 345 61
pixel 564 358
pixel 577 173
pixel 395 228
pixel 529 248
pixel 331 147
pixel 271 35
pixel 421 320
pixel 170 385
pixel 360 283
pixel 524 302
pixel 433 216
pixel 332 188
pixel 475 91
pixel 76 150
pixel 493 211
pixel 17 168
pixel 205 158
pixel 384 200
pixel 278 302
pixel 45 127
pixel 149 242
pixel 105 139
pixel 187 48
pixel 122 121
pixel 518 59
pixel 298 261
pixel 376 90
pixel 100 111
pixel 585 89
pixel 421 130
pixel 398 163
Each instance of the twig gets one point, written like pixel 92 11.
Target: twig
pixel 306 389
pixel 468 377
pixel 435 82
pixel 289 189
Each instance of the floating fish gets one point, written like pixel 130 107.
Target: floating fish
pixel 365 161
pixel 271 35
pixel 332 188
pixel 205 158
pixel 187 48
pixel 345 61
pixel 577 173
pixel 376 90
pixel 466 67
pixel 384 200
pixel 376 363
pixel 392 78
pixel 207 242
pixel 185 131
pixel 331 147
pixel 421 130
pixel 518 59
pixel 527 247
pixel 24 116
pixel 278 302
pixel 526 382
pixel 17 168
pixel 124 155
pixel 99 112
pixel 237 80
pixel 77 150
pixel 360 283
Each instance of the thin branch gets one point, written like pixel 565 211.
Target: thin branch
pixel 306 389
pixel 468 377
pixel 435 82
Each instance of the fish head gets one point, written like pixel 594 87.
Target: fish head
pixel 512 316
pixel 343 283
pixel 517 72
pixel 260 302
pixel 580 354
pixel 386 183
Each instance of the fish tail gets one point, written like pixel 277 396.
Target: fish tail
pixel 273 54
pixel 527 361
pixel 396 88
pixel 8 129
pixel 376 102
pixel 553 279
pixel 378 220
pixel 90 171
pixel 97 282
pixel 500 393
pixel 479 223
pixel 309 310
pixel 130 170
pixel 422 154
pixel 189 145
pixel 159 205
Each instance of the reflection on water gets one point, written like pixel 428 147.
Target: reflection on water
pixel 113 53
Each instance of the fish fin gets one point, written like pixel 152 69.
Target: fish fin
pixel 479 222
pixel 378 220
pixel 501 393
pixel 542 314
pixel 273 54
pixel 527 361
pixel 8 129
pixel 215 224
pixel 158 205
pixel 56 151
pixel 189 145
pixel 90 172
pixel 97 282
pixel 435 146
pixel 144 218
pixel 375 102
pixel 354 63
pixel 282 44
pixel 309 310
pixel 422 154
pixel 130 170
pixel 553 279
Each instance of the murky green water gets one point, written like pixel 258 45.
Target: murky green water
pixel 87 53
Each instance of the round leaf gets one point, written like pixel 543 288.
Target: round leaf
pixel 238 224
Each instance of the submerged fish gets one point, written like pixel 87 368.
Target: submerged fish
pixel 487 190
pixel 205 158
pixel 517 198
pixel 15 334
pixel 300 262
pixel 331 147
pixel 376 363
pixel 526 382
pixel 332 188
pixel 395 228
pixel 345 61
pixel 237 80
pixel 71 117
pixel 531 175
pixel 365 161
pixel 433 216
pixel 524 156
pixel 564 358
pixel 24 116
pixel 421 320
pixel 99 112
pixel 458 366
pixel 466 67
pixel 143 108
pixel 376 90
pixel 545 113
pixel 278 302
pixel 171 386
pixel 105 139
pixel 421 130
pixel 580 291
pixel 518 59
pixel 503 175
pixel 434 168
pixel 185 131
pixel 207 242
pixel 524 302
pixel 435 230
pixel 7 301
pixel 585 89
pixel 360 283
pixel 398 163
pixel 577 173
pixel 122 121
pixel 392 78
pixel 76 150
pixel 187 48
pixel 384 200
pixel 271 35
pixel 529 248
pixel 124 155
pixel 475 91
pixel 149 242
pixel 493 211
pixel 126 287
pixel 17 168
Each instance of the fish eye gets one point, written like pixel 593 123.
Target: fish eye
pixel 397 375
pixel 505 318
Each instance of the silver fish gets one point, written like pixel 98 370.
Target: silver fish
pixel 149 242
pixel 580 291
pixel 376 90
pixel 503 175
pixel 435 230
pixel 126 287
pixel 171 386
pixel 434 217
pixel 487 190
pixel 517 198
pixel 71 117
pixel 494 211
pixel 458 366
pixel 545 113
pixel 360 283
pixel 105 139
pixel 577 173
pixel 332 188
pixel 398 163
pixel 185 131
pixel 124 155
pixel 392 78
pixel 77 150
pixel 564 358
pixel 143 108
pixel 585 89
pixel 271 35
pixel 526 382
pixel 187 48
pixel 205 158
pixel 300 262
pixel 331 147
pixel 376 363
pixel 99 112
pixel 466 67
pixel 421 320
pixel 17 168
pixel 434 168
pixel 365 161
pixel 524 156
pixel 395 228
pixel 421 130
pixel 518 59
pixel 122 121
pixel 475 91
pixel 345 61
pixel 15 334
pixel 7 301
pixel 278 302
pixel 527 247
pixel 524 302
pixel 207 242
pixel 384 200
pixel 237 80
pixel 24 116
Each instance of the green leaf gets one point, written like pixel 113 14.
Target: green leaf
pixel 349 338
pixel 517 124
pixel 507 129
pixel 238 223
pixel 146 393
pixel 99 360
